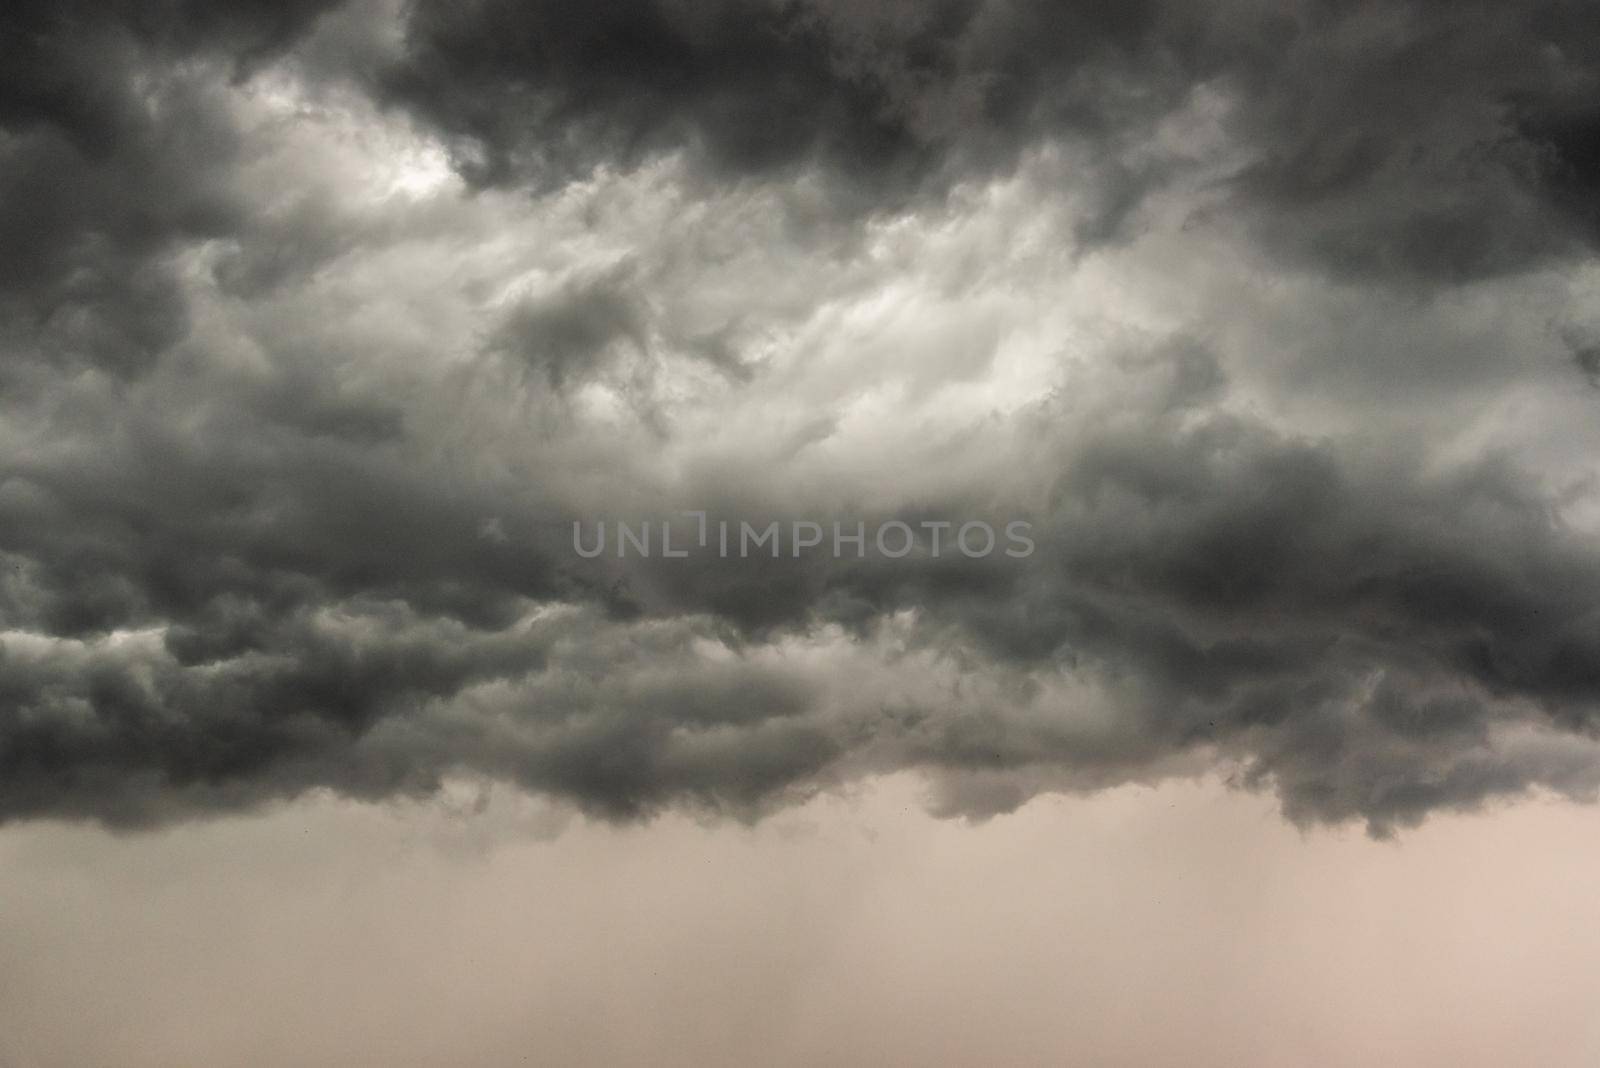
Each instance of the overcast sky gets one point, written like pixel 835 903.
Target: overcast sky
pixel 1277 321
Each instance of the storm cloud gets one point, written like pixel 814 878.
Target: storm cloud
pixel 324 323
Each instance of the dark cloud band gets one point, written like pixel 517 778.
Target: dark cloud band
pixel 291 456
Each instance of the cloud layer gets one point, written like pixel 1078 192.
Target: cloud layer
pixel 323 324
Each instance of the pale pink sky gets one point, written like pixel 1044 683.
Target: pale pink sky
pixel 1180 925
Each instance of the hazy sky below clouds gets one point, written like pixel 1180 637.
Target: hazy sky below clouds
pixel 1181 925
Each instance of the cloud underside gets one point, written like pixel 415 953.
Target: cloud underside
pixel 324 323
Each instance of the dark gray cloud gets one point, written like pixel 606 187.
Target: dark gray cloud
pixel 116 147
pixel 551 90
pixel 1357 636
pixel 295 428
pixel 1424 140
pixel 1437 141
pixel 572 334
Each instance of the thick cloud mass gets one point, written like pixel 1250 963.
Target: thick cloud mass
pixel 323 324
